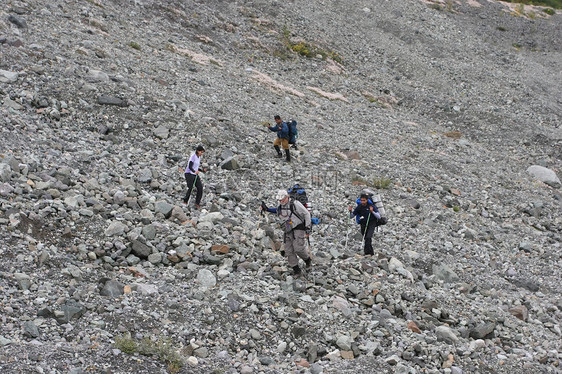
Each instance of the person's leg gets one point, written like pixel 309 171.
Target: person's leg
pixel 189 180
pixel 290 252
pixel 199 187
pixel 300 247
pixel 369 240
pixel 276 144
pixel 285 145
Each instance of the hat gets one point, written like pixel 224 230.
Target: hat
pixel 281 194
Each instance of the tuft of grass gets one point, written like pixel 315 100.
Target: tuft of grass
pixel 435 6
pixel 456 208
pixel 381 183
pixel 549 11
pixel 378 183
pixel 126 344
pixel 307 49
pixel 135 45
pixel 517 46
pixel 501 28
pixel 161 348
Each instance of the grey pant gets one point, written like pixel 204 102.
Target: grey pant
pixel 295 245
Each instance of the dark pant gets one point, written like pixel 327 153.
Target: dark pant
pixel 193 180
pixel 368 249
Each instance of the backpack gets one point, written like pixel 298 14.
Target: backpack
pixel 299 193
pixel 376 201
pixel 293 132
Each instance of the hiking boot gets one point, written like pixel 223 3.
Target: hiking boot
pixel 279 154
pixel 297 271
pixel 308 263
pixel 197 206
pixel 288 154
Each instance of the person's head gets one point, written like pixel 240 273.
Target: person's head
pixel 199 150
pixel 277 119
pixel 282 197
pixel 364 199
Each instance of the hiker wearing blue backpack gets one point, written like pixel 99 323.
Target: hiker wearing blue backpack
pixel 367 215
pixel 297 225
pixel 283 137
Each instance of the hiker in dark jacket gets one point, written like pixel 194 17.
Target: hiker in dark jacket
pixel 192 176
pixel 368 216
pixel 282 140
pixel 297 224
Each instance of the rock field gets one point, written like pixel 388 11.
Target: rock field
pixel 450 110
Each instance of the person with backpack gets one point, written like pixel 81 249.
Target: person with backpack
pixel 297 225
pixel 283 137
pixel 192 176
pixel 367 215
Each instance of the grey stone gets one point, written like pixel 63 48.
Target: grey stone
pixel 115 228
pixel 164 208
pixel 8 76
pixel 5 172
pixel 112 100
pixel 140 249
pixel 112 288
pixel 155 258
pixel 20 22
pixel 71 310
pixel 206 279
pixel 445 273
pixel 24 281
pixel 230 164
pixel 446 334
pixel 30 330
pixel 482 330
pixel 161 132
pixel 545 175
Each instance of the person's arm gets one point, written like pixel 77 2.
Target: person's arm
pixel 375 211
pixel 269 210
pixel 190 167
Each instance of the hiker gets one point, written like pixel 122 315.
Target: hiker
pixel 368 217
pixel 282 140
pixel 192 176
pixel 297 229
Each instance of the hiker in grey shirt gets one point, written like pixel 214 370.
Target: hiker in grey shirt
pixel 296 227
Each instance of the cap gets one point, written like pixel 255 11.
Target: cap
pixel 281 194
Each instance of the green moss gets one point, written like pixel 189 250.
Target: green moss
pixel 126 344
pixel 160 348
pixel 135 46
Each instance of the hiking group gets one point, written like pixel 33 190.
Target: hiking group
pixel 293 207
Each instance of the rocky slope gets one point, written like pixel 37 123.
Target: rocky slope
pixel 452 110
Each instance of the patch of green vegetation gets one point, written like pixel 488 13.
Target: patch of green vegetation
pixel 126 344
pixel 435 6
pixel 456 208
pixel 549 11
pixel 161 348
pixel 501 28
pixel 556 4
pixel 135 45
pixel 381 183
pixel 307 49
pixel 517 46
pixel 378 183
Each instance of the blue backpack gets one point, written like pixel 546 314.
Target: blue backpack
pixel 293 132
pixel 358 201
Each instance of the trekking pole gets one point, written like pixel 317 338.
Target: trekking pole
pixel 366 228
pixel 347 233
